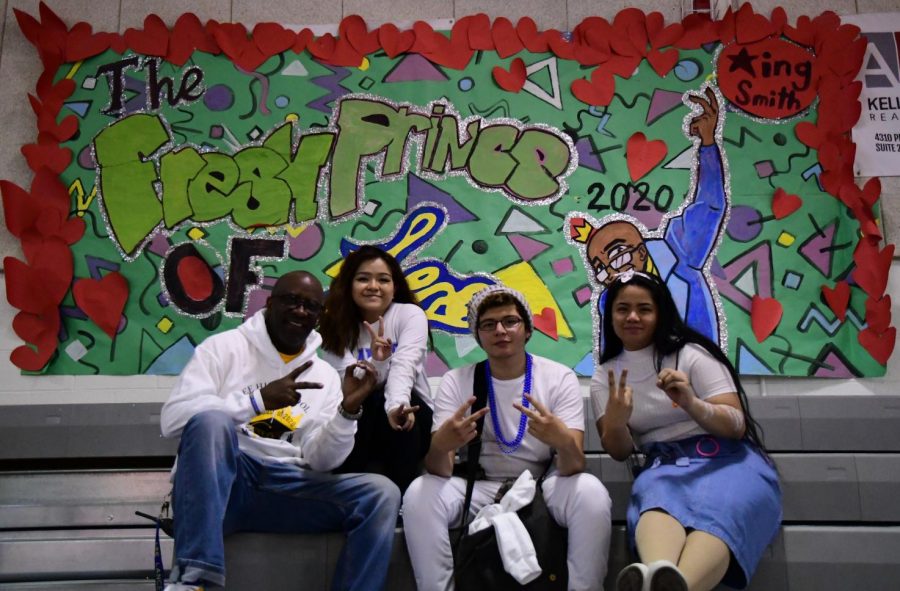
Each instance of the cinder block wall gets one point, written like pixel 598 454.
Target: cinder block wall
pixel 20 68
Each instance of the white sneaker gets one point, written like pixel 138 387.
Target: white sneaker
pixel 183 587
pixel 665 576
pixel 632 577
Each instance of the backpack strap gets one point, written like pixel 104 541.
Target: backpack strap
pixel 479 388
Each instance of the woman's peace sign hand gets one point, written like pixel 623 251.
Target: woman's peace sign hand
pixel 619 405
pixel 381 347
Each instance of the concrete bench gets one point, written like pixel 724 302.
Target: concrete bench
pixel 71 524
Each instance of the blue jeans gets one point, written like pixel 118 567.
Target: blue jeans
pixel 221 490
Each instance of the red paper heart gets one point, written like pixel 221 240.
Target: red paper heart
pixel 393 41
pixel 589 56
pixel 353 28
pixel 558 45
pixel 871 191
pixel 546 323
pixel 81 43
pixel 230 37
pixel 53 157
pixel 479 32
pixel 750 27
pixel 65 130
pixel 666 37
pixel 344 54
pixel 533 40
pixel 506 40
pixel 809 134
pixel 662 62
pixel 699 29
pixel 304 38
pixel 189 35
pixel 872 267
pixel 880 346
pixel 878 314
pixel 272 38
pixel 323 47
pixel 622 66
pixel 597 91
pixel 20 210
pixel 837 298
pixel 765 314
pixel 34 359
pixel 153 39
pixel 784 204
pixel 51 261
pixel 23 287
pixel 102 300
pixel 643 155
pixel 427 40
pixel 511 81
pixel 454 53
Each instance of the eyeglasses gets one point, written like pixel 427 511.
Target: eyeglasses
pixel 619 257
pixel 508 322
pixel 290 300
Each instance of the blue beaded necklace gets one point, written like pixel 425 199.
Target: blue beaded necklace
pixel 509 447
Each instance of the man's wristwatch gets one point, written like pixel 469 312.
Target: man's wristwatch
pixel 347 415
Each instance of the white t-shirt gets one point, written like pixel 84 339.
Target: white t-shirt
pixel 553 385
pixel 653 417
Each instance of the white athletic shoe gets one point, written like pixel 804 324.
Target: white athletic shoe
pixel 665 576
pixel 632 577
pixel 183 587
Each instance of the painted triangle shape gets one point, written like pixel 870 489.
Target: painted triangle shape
pixel 517 221
pixel 531 88
pixel 661 103
pixel 587 156
pixel 95 264
pixel 419 190
pixel 528 248
pixel 760 258
pixel 682 161
pixel 80 108
pixel 817 250
pixel 295 68
pixel 840 368
pixel 415 68
pixel 750 364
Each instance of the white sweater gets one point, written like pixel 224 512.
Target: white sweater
pixel 230 367
pixel 407 327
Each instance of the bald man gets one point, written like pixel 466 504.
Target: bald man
pixel 262 420
pixel 688 242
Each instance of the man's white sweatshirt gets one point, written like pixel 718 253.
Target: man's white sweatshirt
pixel 230 367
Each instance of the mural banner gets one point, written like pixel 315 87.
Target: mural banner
pixel 179 171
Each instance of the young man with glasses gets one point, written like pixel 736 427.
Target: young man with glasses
pixel 262 420
pixel 535 412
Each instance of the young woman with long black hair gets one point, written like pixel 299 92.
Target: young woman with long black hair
pixel 706 502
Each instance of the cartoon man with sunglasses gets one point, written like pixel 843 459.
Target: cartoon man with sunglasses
pixel 681 249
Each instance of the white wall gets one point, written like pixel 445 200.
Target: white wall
pixel 20 68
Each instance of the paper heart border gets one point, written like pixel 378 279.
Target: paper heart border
pixel 649 39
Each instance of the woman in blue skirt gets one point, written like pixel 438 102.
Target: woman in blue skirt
pixel 706 501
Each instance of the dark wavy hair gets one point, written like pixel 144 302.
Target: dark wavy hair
pixel 340 320
pixel 670 335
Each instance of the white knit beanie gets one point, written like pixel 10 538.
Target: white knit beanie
pixel 479 296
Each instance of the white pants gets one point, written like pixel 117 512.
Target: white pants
pixel 432 504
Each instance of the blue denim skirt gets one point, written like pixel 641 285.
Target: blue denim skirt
pixel 724 487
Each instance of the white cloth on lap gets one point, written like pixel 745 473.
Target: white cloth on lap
pixel 513 541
